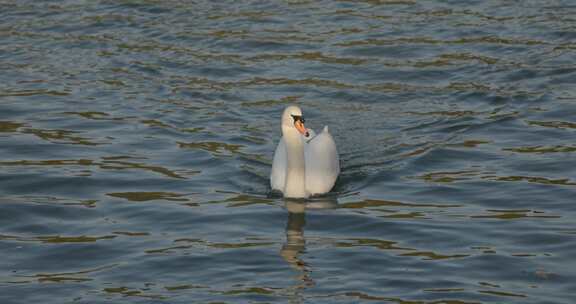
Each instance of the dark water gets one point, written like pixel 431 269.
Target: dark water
pixel 136 140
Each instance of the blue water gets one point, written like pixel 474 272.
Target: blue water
pixel 136 139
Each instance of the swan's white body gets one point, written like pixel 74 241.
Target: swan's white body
pixel 303 165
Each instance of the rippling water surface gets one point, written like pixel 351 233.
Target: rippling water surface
pixel 137 136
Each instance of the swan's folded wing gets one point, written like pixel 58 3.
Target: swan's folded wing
pixel 279 163
pixel 322 163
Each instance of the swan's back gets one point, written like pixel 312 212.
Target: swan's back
pixel 321 162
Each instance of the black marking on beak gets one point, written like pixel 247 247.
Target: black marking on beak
pixel 298 118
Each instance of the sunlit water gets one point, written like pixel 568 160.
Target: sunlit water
pixel 136 140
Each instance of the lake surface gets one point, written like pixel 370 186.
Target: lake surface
pixel 136 140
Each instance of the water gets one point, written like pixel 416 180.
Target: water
pixel 137 136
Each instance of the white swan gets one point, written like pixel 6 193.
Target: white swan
pixel 304 164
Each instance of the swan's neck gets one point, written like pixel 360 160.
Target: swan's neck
pixel 295 186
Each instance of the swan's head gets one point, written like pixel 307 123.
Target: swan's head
pixel 292 118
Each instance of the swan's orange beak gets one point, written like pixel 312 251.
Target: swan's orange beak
pixel 301 128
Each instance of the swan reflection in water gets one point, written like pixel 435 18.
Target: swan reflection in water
pixel 295 241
